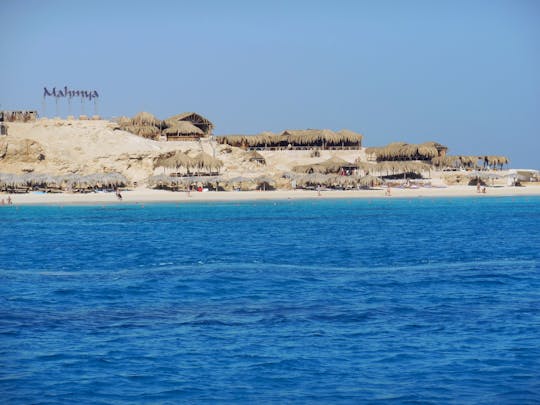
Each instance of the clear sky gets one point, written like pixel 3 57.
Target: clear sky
pixel 463 73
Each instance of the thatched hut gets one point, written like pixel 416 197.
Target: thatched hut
pixel 256 157
pixel 187 126
pixel 336 165
pixel 183 131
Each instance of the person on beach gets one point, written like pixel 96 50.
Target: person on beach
pixel 9 200
pixel 319 190
pixel 478 187
pixel 388 193
pixel 484 190
pixel 118 195
pixel 2 202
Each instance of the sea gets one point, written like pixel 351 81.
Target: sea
pixel 425 300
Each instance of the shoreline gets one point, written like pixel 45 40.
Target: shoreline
pixel 144 195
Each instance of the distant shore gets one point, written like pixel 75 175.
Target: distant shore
pixel 144 195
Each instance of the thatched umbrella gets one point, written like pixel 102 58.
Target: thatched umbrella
pixel 255 156
pixel 175 160
pixel 239 181
pixel 206 162
pixel 10 181
pixel 310 168
pixel 313 179
pixel 469 161
pixel 265 182
pixel 335 164
pixel 445 161
pixel 370 181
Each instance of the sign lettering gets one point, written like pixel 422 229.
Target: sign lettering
pixel 67 93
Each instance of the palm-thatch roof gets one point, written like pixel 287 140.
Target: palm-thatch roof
pixel 146 131
pixel 182 128
pixel 370 181
pixel 495 161
pixel 145 118
pixel 175 160
pixel 255 156
pixel 405 151
pixel 206 162
pixel 335 164
pixel 294 137
pixel 195 119
pixel 9 181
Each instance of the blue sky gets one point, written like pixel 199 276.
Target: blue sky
pixel 463 73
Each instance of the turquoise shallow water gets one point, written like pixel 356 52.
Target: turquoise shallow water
pixel 425 300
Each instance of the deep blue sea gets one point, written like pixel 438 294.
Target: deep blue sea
pixel 320 301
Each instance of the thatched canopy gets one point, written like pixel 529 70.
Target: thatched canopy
pixel 321 137
pixel 294 137
pixel 145 118
pixel 392 167
pixel 195 119
pixel 310 168
pixel 255 156
pixel 9 181
pixel 183 128
pixel 335 164
pixel 495 161
pixel 206 162
pixel 370 181
pixel 146 131
pixel 405 151
pixel 175 160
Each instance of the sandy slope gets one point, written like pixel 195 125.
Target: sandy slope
pixel 85 147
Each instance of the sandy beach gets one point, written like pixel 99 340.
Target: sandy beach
pixel 141 195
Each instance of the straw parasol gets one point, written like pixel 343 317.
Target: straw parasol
pixel 175 160
pixel 370 181
pixel 265 182
pixel 335 164
pixel 206 162
pixel 255 156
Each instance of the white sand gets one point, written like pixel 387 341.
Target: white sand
pixel 141 195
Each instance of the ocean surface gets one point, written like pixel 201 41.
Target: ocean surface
pixel 320 301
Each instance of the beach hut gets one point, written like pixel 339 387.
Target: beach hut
pixel 338 165
pixel 183 131
pixel 255 156
pixel 203 125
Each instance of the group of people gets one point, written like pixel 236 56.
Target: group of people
pixel 480 189
pixel 8 201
